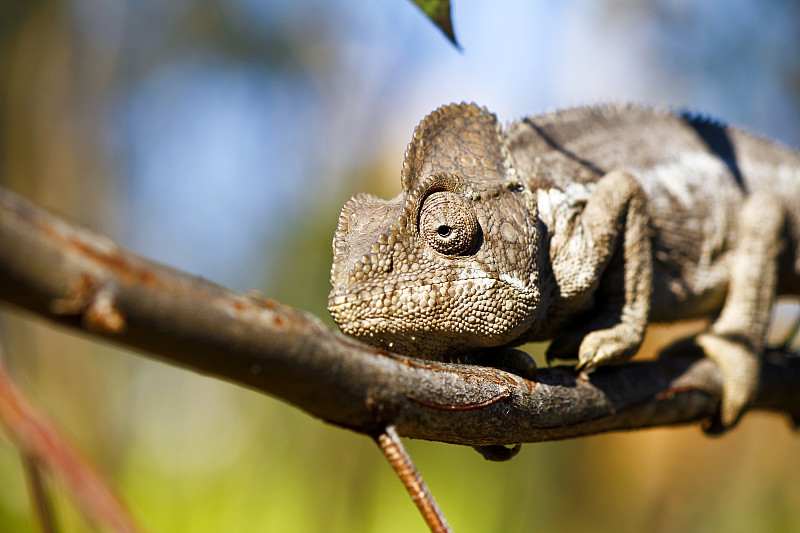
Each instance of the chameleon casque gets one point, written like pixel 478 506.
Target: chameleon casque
pixel 581 226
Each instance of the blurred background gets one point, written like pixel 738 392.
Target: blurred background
pixel 223 136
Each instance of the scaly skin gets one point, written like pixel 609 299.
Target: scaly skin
pixel 580 226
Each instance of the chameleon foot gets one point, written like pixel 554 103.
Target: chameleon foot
pixel 498 453
pixel 739 367
pixel 609 346
pixel 508 359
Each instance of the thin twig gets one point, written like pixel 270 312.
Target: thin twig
pixel 42 504
pixel 394 451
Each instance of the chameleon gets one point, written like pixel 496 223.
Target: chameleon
pixel 580 226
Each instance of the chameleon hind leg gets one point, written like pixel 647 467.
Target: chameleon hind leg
pixel 736 339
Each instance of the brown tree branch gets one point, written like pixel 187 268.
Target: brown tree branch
pixel 77 278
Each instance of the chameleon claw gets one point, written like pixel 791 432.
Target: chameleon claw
pixel 585 363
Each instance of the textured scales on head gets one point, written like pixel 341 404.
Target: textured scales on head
pixel 458 138
pixel 421 273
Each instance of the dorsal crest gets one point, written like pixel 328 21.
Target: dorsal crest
pixel 461 139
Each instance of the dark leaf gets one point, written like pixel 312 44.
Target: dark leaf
pixel 439 12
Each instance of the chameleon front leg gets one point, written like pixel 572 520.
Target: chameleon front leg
pixel 736 339
pixel 607 254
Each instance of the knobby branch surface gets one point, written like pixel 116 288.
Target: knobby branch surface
pixel 79 279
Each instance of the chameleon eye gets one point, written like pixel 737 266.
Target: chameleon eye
pixel 447 223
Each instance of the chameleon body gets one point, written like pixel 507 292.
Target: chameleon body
pixel 581 226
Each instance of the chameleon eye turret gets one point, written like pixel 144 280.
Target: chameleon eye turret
pixel 448 224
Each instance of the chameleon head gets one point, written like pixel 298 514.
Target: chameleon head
pixel 449 266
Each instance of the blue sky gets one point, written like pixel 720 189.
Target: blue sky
pixel 219 156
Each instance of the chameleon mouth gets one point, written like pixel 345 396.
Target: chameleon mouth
pixel 411 296
pixel 434 320
pixel 441 306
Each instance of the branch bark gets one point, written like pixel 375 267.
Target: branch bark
pixel 81 280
